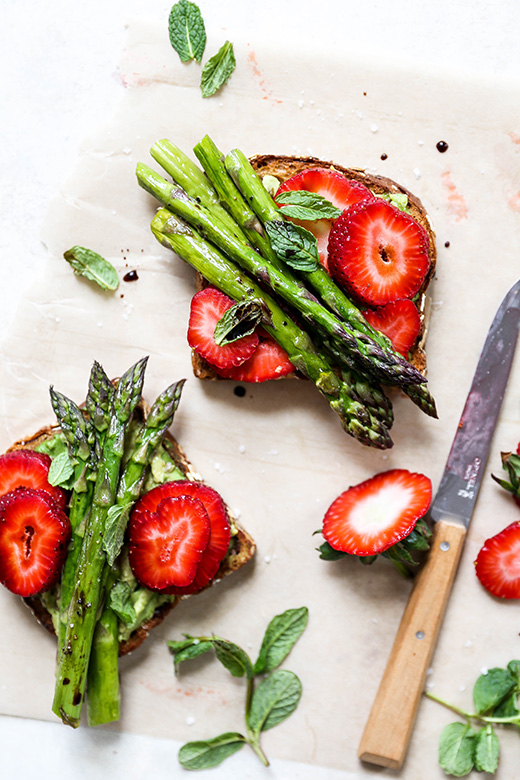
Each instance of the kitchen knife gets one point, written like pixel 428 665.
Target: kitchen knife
pixel 389 726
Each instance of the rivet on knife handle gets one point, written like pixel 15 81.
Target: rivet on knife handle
pixel 389 727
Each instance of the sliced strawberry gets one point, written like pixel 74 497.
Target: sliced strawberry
pixel 268 361
pixel 220 532
pixel 29 469
pixel 376 514
pixel 207 308
pixel 34 534
pixel 498 563
pixel 378 253
pixel 399 320
pixel 166 546
pixel 333 186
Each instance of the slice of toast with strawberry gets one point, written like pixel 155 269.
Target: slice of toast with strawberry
pixel 377 243
pixel 32 553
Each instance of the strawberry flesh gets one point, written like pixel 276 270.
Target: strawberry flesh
pixel 34 534
pixel 378 253
pixel 207 308
pixel 268 361
pixel 28 469
pixel 166 546
pixel 333 186
pixel 498 563
pixel 399 320
pixel 219 533
pixel 370 517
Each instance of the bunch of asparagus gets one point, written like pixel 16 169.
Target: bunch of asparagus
pixel 110 448
pixel 219 219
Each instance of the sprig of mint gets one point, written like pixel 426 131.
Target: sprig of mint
pixel 495 698
pixel 293 244
pixel 301 204
pixel 187 33
pixel 269 701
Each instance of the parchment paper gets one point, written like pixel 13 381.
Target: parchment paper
pixel 278 454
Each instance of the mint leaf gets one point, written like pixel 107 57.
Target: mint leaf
pixel 120 602
pixel 61 471
pixel 492 688
pixel 456 749
pixel 187 649
pixel 487 750
pixel 187 31
pixel 301 204
pixel 233 658
pixel 210 752
pixel 281 635
pixel 238 321
pixel 217 70
pixel 274 700
pixel 293 244
pixel 113 537
pixel 85 262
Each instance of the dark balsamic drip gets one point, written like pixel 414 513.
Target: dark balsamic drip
pixel 239 391
pixel 446 244
pixel 131 276
pixel 442 147
pixel 384 156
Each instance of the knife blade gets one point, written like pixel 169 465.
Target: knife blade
pixel 389 727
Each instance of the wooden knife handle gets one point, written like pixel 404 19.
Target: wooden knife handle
pixel 389 726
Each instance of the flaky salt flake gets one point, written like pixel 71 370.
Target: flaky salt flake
pixel 190 720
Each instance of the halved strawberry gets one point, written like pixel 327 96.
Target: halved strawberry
pixel 399 320
pixel 34 534
pixel 379 253
pixel 268 361
pixel 28 469
pixel 498 563
pixel 220 532
pixel 371 517
pixel 207 308
pixel 333 186
pixel 166 545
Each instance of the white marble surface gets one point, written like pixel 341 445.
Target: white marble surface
pixel 59 65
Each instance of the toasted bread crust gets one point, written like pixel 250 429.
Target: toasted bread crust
pixel 283 168
pixel 241 550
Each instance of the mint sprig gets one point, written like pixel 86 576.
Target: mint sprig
pixel 272 694
pixel 293 244
pixel 238 321
pixel 301 204
pixel 85 262
pixel 187 31
pixel 495 698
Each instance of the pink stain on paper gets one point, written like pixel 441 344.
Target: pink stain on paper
pixel 514 202
pixel 253 64
pixel 514 137
pixel 456 203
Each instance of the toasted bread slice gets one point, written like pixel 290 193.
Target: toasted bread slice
pixel 283 168
pixel 241 550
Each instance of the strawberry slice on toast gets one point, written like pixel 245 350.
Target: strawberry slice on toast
pixel 399 320
pixel 268 361
pixel 219 529
pixel 498 563
pixel 34 534
pixel 374 515
pixel 332 186
pixel 28 469
pixel 378 253
pixel 166 546
pixel 207 308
